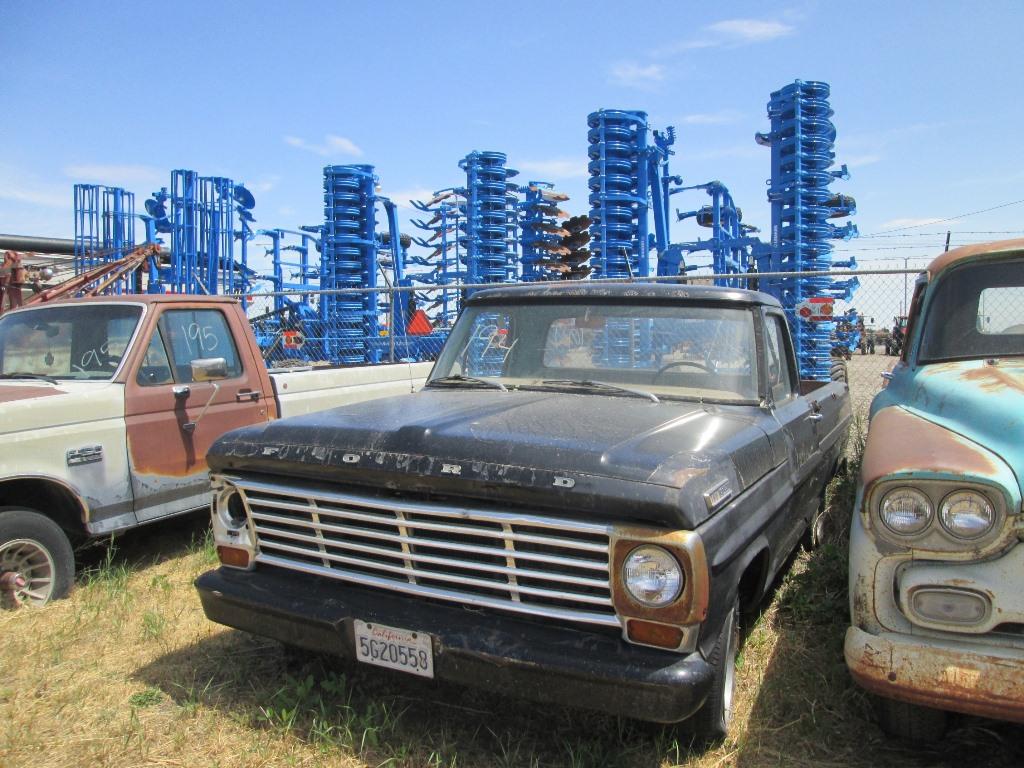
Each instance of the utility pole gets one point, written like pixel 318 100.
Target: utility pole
pixel 906 259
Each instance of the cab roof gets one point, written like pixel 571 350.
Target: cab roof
pixel 576 290
pixel 958 255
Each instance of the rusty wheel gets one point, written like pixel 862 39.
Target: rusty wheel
pixel 36 560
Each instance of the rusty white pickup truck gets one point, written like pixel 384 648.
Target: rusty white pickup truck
pixel 936 558
pixel 108 406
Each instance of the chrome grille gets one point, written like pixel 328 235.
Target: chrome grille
pixel 511 561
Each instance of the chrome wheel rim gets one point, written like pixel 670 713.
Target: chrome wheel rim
pixel 30 560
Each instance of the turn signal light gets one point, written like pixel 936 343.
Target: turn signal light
pixel 233 556
pixel 651 633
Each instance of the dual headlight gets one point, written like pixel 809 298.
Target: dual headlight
pixel 963 514
pixel 652 576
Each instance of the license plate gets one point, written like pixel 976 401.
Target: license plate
pixel 394 648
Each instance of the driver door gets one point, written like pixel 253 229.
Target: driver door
pixel 167 438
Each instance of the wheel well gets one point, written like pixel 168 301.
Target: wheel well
pixel 47 498
pixel 752 582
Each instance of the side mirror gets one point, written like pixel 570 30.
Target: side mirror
pixel 209 369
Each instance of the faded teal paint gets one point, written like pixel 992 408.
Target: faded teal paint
pixel 981 400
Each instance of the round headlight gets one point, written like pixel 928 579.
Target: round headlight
pixel 967 514
pixel 652 576
pixel 906 511
pixel 232 510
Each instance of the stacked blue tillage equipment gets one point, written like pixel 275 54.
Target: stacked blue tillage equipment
pixel 802 139
pixel 543 239
pixel 618 193
pixel 618 167
pixel 444 264
pixel 104 227
pixel 490 225
pixel 489 239
pixel 349 260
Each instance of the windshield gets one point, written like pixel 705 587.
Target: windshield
pixel 682 351
pixel 67 342
pixel 977 312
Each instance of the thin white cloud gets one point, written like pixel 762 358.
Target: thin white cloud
pixel 115 175
pixel 633 75
pixel 711 118
pixel 750 30
pixel 263 184
pixel 333 146
pixel 555 170
pixel 730 33
pixel 402 197
pixel 20 187
pixel 909 222
pixel 859 161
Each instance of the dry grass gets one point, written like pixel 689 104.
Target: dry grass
pixel 128 672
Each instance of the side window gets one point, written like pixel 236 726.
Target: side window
pixel 192 334
pixel 156 368
pixel 780 380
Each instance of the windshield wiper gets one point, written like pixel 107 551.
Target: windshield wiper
pixel 589 384
pixel 22 375
pixel 458 378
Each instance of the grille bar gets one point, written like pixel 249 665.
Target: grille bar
pixel 477 601
pixel 344 530
pixel 429 526
pixel 512 561
pixel 409 557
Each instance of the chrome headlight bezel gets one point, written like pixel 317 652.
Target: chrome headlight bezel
pixel 935 536
pixel 670 568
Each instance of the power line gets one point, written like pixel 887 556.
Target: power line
pixel 955 234
pixel 951 218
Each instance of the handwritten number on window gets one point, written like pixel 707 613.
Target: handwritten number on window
pixel 201 339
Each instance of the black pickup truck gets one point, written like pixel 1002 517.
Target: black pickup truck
pixel 593 485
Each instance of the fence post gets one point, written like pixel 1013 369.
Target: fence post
pixel 391 325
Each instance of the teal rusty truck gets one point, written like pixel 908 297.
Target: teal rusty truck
pixel 936 557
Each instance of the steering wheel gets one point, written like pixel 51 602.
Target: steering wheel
pixel 677 363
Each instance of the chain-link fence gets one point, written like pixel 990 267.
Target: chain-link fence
pixel 292 331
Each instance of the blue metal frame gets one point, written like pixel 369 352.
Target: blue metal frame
pixel 802 140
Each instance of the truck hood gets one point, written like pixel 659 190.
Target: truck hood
pixel 982 402
pixel 476 442
pixel 29 405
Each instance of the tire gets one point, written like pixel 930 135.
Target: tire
pixel 711 723
pixel 35 547
pixel 838 371
pixel 911 722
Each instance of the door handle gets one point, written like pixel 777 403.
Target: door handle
pixel 250 395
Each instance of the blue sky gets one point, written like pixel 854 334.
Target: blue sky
pixel 927 98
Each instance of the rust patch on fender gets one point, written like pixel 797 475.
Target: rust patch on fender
pixel 901 442
pixel 991 378
pixel 692 605
pixel 11 394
